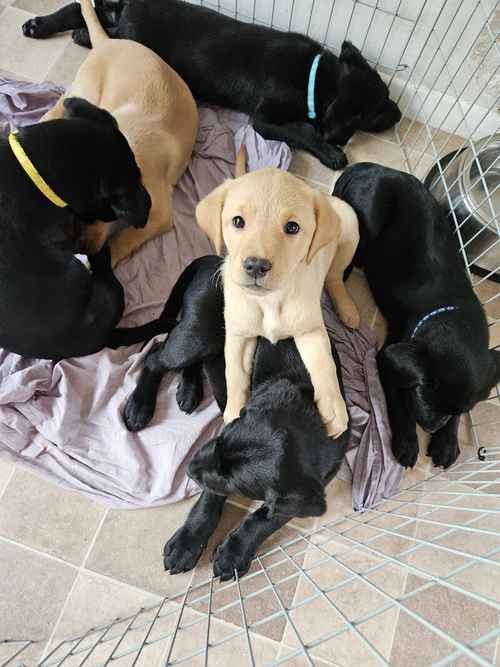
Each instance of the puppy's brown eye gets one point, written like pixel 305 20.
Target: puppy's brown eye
pixel 292 227
pixel 238 222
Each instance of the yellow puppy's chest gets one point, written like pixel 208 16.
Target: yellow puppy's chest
pixel 272 319
pixel 273 324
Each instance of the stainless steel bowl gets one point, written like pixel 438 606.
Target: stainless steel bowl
pixel 469 185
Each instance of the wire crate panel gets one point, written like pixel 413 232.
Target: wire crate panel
pixel 419 557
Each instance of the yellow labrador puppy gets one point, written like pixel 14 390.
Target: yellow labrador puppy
pixel 155 111
pixel 284 240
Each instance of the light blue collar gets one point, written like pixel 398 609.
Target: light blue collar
pixel 311 105
pixel 444 309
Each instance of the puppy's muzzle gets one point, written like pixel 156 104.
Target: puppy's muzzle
pixel 256 267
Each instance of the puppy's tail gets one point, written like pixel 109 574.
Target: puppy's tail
pixel 121 337
pixel 96 31
pixel 240 168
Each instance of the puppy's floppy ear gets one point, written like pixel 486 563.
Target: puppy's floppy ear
pixel 209 216
pixel 77 107
pixel 407 363
pixel 132 207
pixel 327 224
pixel 306 501
pixel 350 55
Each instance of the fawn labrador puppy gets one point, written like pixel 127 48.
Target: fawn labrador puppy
pixel 284 240
pixel 155 111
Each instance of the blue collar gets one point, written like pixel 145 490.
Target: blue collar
pixel 444 309
pixel 311 106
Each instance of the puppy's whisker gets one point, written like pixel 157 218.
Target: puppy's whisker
pixel 217 277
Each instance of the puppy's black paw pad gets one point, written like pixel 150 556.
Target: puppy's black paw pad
pixel 227 560
pixel 136 414
pixel 405 452
pixel 35 28
pixel 189 396
pixel 443 452
pixel 181 552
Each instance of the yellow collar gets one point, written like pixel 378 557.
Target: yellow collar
pixel 30 169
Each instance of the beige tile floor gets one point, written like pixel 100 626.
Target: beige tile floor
pixel 68 564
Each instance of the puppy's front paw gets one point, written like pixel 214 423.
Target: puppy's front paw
pixel 36 28
pixel 335 430
pixel 81 37
pixel 189 396
pixel 137 413
pixel 182 551
pixel 405 450
pixel 230 556
pixel 337 424
pixel 232 411
pixel 349 315
pixel 443 449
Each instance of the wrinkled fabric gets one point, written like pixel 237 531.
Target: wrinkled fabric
pixel 369 462
pixel 63 420
pixel 24 103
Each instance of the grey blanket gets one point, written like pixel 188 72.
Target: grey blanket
pixel 63 420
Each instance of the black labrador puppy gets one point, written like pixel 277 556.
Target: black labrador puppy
pixel 295 90
pixel 435 364
pixel 277 451
pixel 51 306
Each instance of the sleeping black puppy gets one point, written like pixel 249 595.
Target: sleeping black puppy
pixel 435 364
pixel 295 90
pixel 277 451
pixel 51 306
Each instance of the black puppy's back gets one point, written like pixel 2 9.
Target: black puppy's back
pixel 405 242
pixel 170 35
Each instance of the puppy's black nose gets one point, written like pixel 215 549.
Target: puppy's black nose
pixel 256 267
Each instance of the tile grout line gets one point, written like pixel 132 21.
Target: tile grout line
pixel 94 539
pixel 73 585
pixel 133 588
pixel 59 617
pixel 409 145
pixel 81 568
pixel 318 661
pixel 311 181
pixel 7 481
pixel 324 184
pixel 61 561
pixel 496 650
pixel 394 629
pixel 398 616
